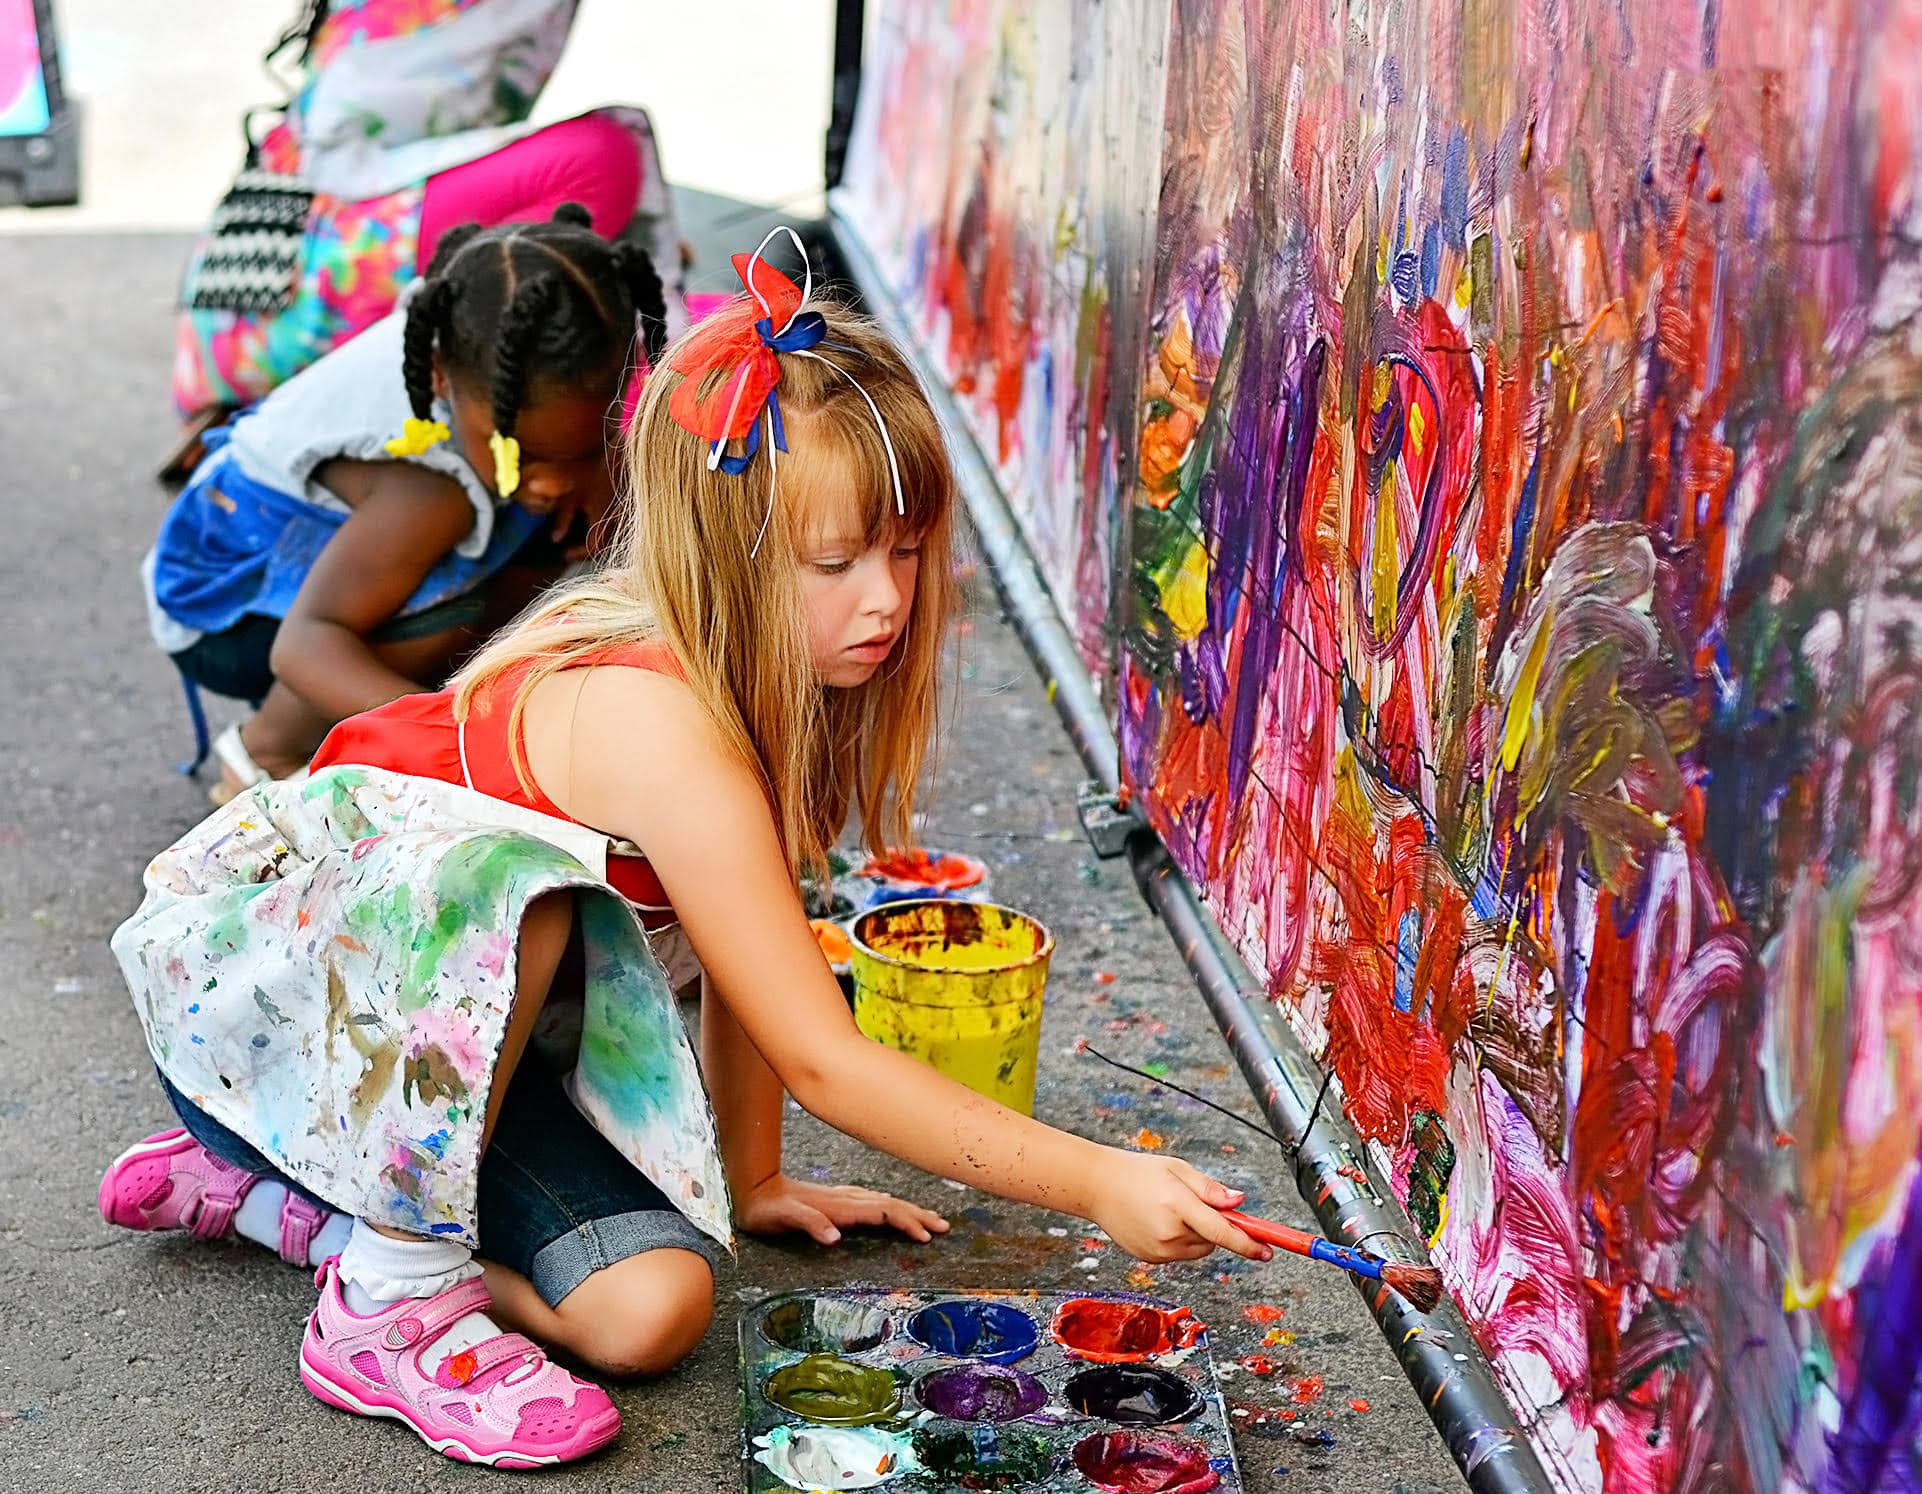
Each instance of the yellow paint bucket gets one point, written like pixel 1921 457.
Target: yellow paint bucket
pixel 958 985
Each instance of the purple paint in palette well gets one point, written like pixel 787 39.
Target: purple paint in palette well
pixel 982 1393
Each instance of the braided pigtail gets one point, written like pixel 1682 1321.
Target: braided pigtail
pixel 520 328
pixel 637 272
pixel 426 318
pixel 426 322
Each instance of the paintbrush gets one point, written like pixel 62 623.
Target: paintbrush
pixel 1421 1285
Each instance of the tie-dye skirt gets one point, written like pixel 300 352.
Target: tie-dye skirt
pixel 326 967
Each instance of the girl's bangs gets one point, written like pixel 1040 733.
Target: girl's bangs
pixel 836 473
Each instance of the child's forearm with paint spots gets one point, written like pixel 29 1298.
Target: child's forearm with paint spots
pixel 1157 1208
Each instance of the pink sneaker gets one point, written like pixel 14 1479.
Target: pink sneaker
pixel 170 1181
pixel 501 1402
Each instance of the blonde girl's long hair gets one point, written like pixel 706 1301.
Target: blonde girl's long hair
pixel 683 570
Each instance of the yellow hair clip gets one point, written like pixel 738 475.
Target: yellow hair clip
pixel 507 463
pixel 416 436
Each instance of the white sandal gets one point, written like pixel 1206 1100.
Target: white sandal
pixel 237 764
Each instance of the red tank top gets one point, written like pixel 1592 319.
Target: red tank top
pixel 419 736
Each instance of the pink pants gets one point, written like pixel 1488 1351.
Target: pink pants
pixel 591 160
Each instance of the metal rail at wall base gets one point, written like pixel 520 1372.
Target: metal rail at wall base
pixel 1436 1350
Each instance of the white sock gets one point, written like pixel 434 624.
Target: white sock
pixel 258 1219
pixel 377 1271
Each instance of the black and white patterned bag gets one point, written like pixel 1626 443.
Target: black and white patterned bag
pixel 251 260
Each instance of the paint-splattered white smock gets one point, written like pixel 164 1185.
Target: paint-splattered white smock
pixel 325 967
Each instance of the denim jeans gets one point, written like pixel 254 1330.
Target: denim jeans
pixel 557 1202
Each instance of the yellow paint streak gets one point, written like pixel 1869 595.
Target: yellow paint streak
pixel 1386 571
pixel 1800 1296
pixel 1521 705
pixel 1441 1224
pixel 1184 597
pixel 1381 386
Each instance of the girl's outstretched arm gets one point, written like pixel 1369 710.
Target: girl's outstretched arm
pixel 404 520
pixel 642 760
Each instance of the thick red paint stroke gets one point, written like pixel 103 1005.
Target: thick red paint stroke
pixel 1390 1063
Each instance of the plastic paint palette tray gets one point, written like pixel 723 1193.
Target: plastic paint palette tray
pixel 910 1392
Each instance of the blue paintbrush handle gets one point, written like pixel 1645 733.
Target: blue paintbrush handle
pixel 1350 1259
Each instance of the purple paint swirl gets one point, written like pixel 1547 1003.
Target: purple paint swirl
pixel 981 1392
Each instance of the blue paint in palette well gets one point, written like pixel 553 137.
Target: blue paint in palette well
pixel 991 1332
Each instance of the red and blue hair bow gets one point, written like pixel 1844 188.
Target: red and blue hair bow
pixel 748 347
pixel 738 340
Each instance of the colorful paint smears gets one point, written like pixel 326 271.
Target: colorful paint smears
pixel 1494 438
pixel 1133 1395
pixel 975 1328
pixel 835 1458
pixel 1004 172
pixel 984 1457
pixel 1144 1463
pixel 825 1325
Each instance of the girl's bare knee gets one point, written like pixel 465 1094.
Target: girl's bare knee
pixel 643 1315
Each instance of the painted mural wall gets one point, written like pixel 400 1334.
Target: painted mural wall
pixel 1495 492
pixel 1003 169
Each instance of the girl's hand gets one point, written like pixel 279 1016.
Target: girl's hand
pixel 1161 1209
pixel 781 1205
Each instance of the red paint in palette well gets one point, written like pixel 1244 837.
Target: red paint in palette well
pixel 1108 1332
pixel 1145 1463
pixel 949 873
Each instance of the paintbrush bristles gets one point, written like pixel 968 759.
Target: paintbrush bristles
pixel 1421 1285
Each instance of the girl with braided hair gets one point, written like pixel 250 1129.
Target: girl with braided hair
pixel 346 541
pixel 419 1010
